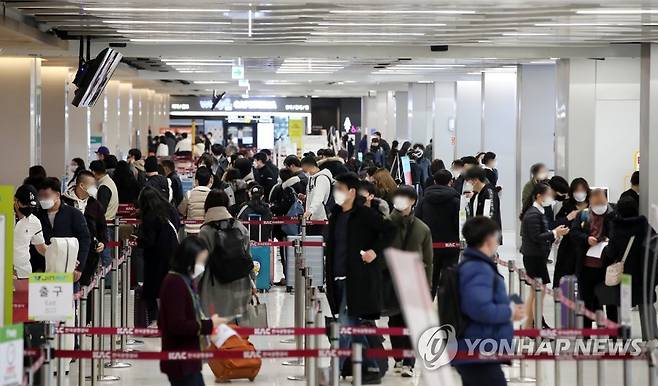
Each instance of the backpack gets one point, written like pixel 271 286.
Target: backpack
pixel 330 203
pixel 295 210
pixel 230 259
pixel 448 299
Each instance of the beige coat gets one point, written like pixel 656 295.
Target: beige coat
pixel 192 207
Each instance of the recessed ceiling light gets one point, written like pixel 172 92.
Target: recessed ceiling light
pixel 209 82
pixel 474 73
pixel 402 11
pixel 199 64
pixel 368 33
pixel 484 41
pixel 195 72
pixel 140 31
pixel 180 41
pixel 615 11
pixel 425 81
pixel 134 9
pixel 572 24
pixel 525 34
pixel 167 60
pixel 165 22
pixel 383 24
pixel 352 41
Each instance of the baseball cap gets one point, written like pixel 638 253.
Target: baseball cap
pixel 257 190
pixel 103 150
pixel 26 195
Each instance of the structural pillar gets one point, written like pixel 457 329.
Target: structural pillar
pixel 78 125
pixel 20 109
pixel 443 136
pixel 468 118
pixel 402 116
pixel 125 119
pixel 112 116
pixel 649 133
pixel 421 112
pixel 54 120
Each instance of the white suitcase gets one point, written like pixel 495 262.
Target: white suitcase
pixel 314 257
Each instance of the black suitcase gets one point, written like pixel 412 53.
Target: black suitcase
pixel 140 312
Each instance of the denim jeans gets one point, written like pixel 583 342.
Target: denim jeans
pixel 106 257
pixel 345 320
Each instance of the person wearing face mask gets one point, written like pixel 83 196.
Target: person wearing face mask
pixel 591 227
pixel 354 263
pixel 459 184
pixel 108 196
pixel 484 201
pixel 536 240
pixel 27 230
pixel 181 321
pixel 76 166
pixel 489 165
pixel 81 197
pixel 411 234
pixel 368 191
pixel 318 194
pixel 61 220
pixel 539 173
pixel 577 200
pixel 484 301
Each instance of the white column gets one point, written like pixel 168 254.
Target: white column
pixel 649 133
pixel 78 136
pixel 499 136
pixel 468 119
pixel 125 119
pixel 20 111
pixel 445 110
pixel 402 116
pixel 421 112
pixel 111 133
pixel 54 120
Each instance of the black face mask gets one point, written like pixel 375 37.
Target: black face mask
pixel 27 211
pixel 560 197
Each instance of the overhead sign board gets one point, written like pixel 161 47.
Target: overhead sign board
pixel 238 104
pixel 237 72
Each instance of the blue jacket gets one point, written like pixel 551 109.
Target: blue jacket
pixel 484 300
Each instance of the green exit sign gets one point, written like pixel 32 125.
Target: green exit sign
pixel 237 72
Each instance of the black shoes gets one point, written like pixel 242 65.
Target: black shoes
pixel 369 378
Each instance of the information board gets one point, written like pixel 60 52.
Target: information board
pixel 51 297
pixel 11 355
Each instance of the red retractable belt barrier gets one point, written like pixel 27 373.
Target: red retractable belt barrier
pixel 447 245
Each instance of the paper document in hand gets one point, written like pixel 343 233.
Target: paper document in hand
pixel 597 250
pixel 408 274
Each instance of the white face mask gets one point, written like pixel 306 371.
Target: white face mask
pixel 401 203
pixel 493 164
pixel 198 270
pixel 455 173
pixel 92 191
pixel 47 204
pixel 548 201
pixel 340 197
pixel 600 209
pixel 542 176
pixel 580 196
pixel 468 187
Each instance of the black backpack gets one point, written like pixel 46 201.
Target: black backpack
pixel 330 203
pixel 230 259
pixel 449 300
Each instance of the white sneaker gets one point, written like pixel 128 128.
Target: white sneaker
pixel 407 372
pixel 398 367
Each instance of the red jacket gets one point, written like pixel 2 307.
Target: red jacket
pixel 180 325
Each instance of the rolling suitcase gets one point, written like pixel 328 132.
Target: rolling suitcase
pixel 140 313
pixel 233 368
pixel 314 256
pixel 569 289
pixel 262 256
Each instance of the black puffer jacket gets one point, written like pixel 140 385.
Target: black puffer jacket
pixel 439 209
pixel 256 210
pixel 336 165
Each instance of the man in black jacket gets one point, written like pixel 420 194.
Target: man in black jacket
pixel 155 179
pixel 80 198
pixel 263 174
pixel 468 162
pixel 439 209
pixel 294 164
pixel 60 220
pixel 176 184
pixel 357 236
pixel 485 201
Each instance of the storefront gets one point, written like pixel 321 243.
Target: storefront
pixel 254 122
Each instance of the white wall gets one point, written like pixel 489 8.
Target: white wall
pixel 402 116
pixel 444 113
pixel 499 136
pixel 421 112
pixel 617 122
pixel 468 120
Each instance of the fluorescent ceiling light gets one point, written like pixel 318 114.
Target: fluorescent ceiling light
pixel 134 9
pixel 209 82
pixel 428 65
pixel 352 41
pixel 195 72
pixel 368 33
pixel 383 24
pixel 314 60
pixel 572 24
pixel 180 41
pixel 542 62
pixel 199 64
pixel 142 31
pixel 304 72
pixel 425 81
pixel 401 11
pixel 165 22
pixel 615 11
pixel 525 34
pixel 198 60
pixel 474 73
pixel 484 41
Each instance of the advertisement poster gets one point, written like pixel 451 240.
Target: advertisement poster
pixel 51 297
pixel 296 132
pixel 406 170
pixel 6 251
pixel 11 355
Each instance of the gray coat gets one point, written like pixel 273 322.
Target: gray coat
pixel 224 299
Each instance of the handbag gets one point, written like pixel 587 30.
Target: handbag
pixel 255 315
pixel 614 271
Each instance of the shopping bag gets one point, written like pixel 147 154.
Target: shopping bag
pixel 255 314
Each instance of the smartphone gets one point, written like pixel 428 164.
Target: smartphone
pixel 516 299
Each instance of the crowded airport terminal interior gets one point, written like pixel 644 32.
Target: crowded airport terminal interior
pixel 304 192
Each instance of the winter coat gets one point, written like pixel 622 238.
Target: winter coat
pixel 365 230
pixel 565 261
pixel 257 210
pixel 265 178
pixel 108 196
pixel 69 222
pixel 192 207
pixel 483 300
pixel 621 231
pixel 159 183
pixel 226 299
pixel 317 193
pixel 335 164
pixel 580 231
pixel 411 234
pixel 439 209
pixel 176 188
pixel 488 192
pixel 159 239
pixel 181 324
pixel 536 237
pixel 283 196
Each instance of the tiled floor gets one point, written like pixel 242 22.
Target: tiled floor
pixel 273 373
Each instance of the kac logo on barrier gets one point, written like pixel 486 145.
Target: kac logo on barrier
pixel 437 346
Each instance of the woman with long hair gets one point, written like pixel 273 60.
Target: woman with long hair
pixel 75 167
pixel 182 322
pixel 158 237
pixel 385 185
pixel 126 183
pixel 536 240
pixel 577 200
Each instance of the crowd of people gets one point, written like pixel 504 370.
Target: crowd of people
pixel 362 192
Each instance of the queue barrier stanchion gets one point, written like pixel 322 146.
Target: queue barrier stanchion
pixel 114 299
pixel 557 322
pixel 319 371
pixel 82 321
pixel 523 377
pixel 60 361
pixel 46 369
pixel 357 363
pixel 309 340
pixel 334 339
pixel 600 365
pixel 580 323
pixel 101 321
pixel 125 293
pixel 625 333
pixel 511 269
pixel 539 309
pixel 300 293
pixel 93 370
